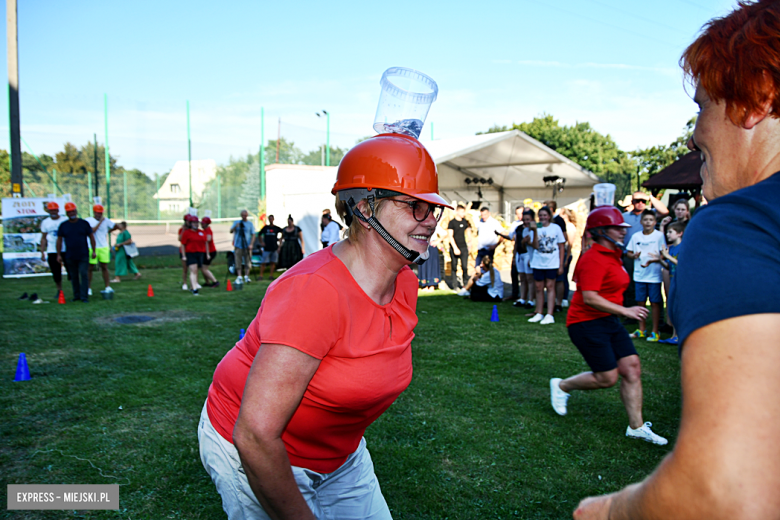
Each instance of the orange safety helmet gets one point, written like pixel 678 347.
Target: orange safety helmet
pixel 52 206
pixel 384 166
pixel 97 208
pixel 394 162
pixel 69 206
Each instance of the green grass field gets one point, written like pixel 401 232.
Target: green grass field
pixel 473 437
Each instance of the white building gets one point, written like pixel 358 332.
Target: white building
pixel 174 194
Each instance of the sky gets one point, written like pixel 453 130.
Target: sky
pixel 612 63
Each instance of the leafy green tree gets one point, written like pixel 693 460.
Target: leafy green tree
pixel 315 157
pixel 655 158
pixel 288 152
pixel 70 160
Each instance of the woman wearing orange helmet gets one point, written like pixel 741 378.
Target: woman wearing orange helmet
pixel 281 433
pixel 594 328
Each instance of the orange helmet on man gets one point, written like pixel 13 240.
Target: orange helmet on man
pixel 51 206
pixel 97 208
pixel 388 165
pixel 69 206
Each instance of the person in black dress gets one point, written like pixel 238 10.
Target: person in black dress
pixel 292 248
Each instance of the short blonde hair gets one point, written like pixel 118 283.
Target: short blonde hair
pixel 354 231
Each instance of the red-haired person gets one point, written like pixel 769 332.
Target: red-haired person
pixel 194 252
pixel 726 461
pixel 211 248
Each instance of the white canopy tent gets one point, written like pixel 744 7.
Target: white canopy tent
pixel 499 170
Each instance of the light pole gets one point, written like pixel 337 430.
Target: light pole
pixel 327 138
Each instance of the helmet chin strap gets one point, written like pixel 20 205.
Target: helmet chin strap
pixel 620 245
pixel 412 256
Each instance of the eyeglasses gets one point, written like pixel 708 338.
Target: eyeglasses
pixel 421 209
pixel 637 201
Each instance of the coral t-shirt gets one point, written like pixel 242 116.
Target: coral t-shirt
pixel 598 269
pixel 194 241
pixel 364 350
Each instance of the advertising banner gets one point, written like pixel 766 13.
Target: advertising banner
pixel 22 236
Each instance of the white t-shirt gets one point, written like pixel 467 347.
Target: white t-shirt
pixel 50 228
pixel 647 244
pixel 331 233
pixel 101 235
pixel 497 289
pixel 546 256
pixel 486 232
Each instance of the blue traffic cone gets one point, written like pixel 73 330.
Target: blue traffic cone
pixel 241 334
pixel 22 372
pixel 494 316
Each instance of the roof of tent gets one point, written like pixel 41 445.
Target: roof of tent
pixel 684 173
pixel 516 163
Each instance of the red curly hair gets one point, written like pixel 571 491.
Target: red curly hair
pixel 736 59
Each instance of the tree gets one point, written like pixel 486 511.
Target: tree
pixel 288 152
pixel 70 160
pixel 655 158
pixel 250 189
pixel 315 157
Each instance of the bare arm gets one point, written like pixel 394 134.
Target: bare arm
pixel 300 237
pixel 44 244
pixel 561 257
pixel 92 241
pixel 274 388
pixel 451 240
pixel 659 206
pixel 59 249
pixel 724 465
pixel 598 302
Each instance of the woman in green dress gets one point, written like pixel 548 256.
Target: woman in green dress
pixel 123 262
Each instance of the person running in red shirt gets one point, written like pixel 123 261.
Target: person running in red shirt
pixel 193 251
pixel 595 329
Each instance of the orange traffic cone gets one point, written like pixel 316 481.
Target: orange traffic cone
pixel 149 291
pixel 229 286
pixel 61 298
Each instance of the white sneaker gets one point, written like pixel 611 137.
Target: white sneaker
pixel 198 287
pixel 247 279
pixel 548 319
pixel 109 289
pixel 184 287
pixel 646 434
pixel 240 279
pixel 537 317
pixel 89 291
pixel 558 397
pixel 565 303
pixel 463 292
pixel 531 302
